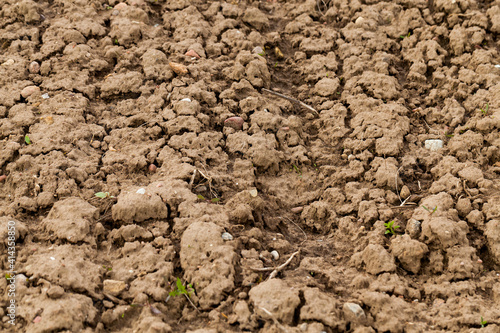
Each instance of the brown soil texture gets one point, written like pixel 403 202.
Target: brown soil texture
pixel 205 176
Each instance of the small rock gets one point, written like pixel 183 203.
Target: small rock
pixel 227 236
pixel 179 69
pixel 275 255
pixel 433 145
pixel 192 53
pixel 45 96
pixel 405 192
pixel 258 50
pixel 359 20
pixel 186 99
pixel 234 122
pixel 253 192
pixel 278 53
pixel 34 67
pixel 353 312
pixel 297 210
pixel 8 62
pixel 29 90
pixel 141 191
pixel 152 168
pixel 37 319
pixel 114 287
pixel 21 278
pixel 55 292
pixel 2 178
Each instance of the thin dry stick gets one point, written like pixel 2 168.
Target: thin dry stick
pixel 192 179
pixel 276 322
pixel 291 99
pixel 190 301
pixel 274 270
pixel 305 235
pixel 279 268
pixel 397 191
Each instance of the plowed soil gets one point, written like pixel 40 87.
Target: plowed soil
pixel 265 166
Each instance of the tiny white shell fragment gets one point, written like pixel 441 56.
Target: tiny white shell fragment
pixel 227 236
pixel 275 254
pixel 433 145
pixel 141 191
pixel 186 100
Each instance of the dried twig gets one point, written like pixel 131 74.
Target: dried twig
pixel 465 189
pixel 276 322
pixel 114 299
pixel 192 179
pixel 305 235
pixel 291 99
pixel 190 301
pixel 276 270
pixel 397 191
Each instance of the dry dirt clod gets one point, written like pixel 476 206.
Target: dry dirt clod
pixel 152 168
pixel 179 69
pixel 3 177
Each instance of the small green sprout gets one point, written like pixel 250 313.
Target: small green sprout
pixel 276 64
pixel 107 268
pixel 116 41
pixel 109 7
pixel 263 53
pixel 123 315
pixel 427 209
pixel 104 195
pixel 390 228
pixel 296 168
pixel 485 110
pixel 483 322
pixel 181 290
pixel 215 200
pixel 201 197
pixel 27 139
pixel 404 36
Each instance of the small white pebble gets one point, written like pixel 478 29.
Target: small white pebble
pixel 141 191
pixel 52 258
pixel 275 254
pixel 131 271
pixel 45 96
pixel 227 236
pixel 186 100
pixel 433 145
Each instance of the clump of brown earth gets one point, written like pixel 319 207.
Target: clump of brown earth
pixel 203 176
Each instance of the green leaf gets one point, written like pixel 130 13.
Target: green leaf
pixel 215 200
pixel 102 195
pixel 200 197
pixel 180 287
pixel 27 139
pixel 397 226
pixel 388 232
